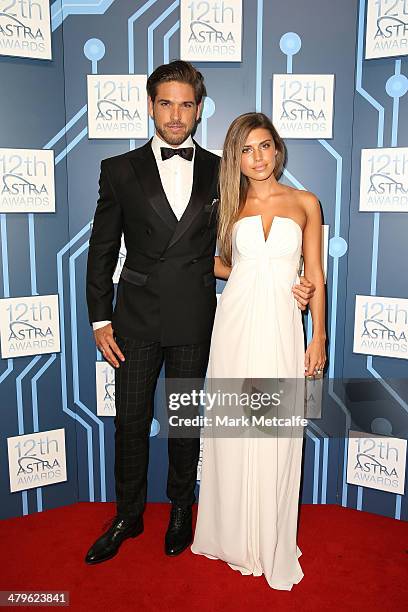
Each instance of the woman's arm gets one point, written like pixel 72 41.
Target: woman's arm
pixel 315 357
pixel 220 269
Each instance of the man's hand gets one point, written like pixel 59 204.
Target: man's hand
pixel 106 344
pixel 303 292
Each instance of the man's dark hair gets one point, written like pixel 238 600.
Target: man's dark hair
pixel 180 71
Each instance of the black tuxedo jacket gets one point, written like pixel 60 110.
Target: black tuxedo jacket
pixel 166 290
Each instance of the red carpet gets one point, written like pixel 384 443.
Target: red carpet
pixel 351 560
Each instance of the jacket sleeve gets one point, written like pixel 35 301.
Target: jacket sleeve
pixel 104 245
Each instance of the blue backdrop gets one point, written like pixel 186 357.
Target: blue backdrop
pixel 43 105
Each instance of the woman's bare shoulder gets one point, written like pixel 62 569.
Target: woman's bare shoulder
pixel 308 201
pixel 307 198
pixel 301 195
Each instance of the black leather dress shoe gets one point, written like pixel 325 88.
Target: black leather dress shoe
pixel 179 533
pixel 109 543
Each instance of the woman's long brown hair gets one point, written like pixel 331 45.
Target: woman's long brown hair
pixel 233 184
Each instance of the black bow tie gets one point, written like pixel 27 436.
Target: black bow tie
pixel 185 153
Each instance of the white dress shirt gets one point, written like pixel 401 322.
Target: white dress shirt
pixel 176 175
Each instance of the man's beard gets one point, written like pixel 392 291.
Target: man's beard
pixel 174 139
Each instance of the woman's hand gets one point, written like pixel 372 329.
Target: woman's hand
pixel 315 356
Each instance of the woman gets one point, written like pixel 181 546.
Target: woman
pixel 249 492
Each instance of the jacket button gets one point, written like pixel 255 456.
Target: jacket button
pixel 148 231
pixel 162 259
pixel 194 260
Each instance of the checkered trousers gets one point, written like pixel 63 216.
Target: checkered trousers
pixel 135 383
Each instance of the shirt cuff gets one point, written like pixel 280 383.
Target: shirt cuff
pixel 99 324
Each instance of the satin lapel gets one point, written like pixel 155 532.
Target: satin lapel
pixel 202 180
pixel 147 173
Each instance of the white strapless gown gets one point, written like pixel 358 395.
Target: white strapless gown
pixel 249 493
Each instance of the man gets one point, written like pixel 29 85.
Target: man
pixel 163 198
